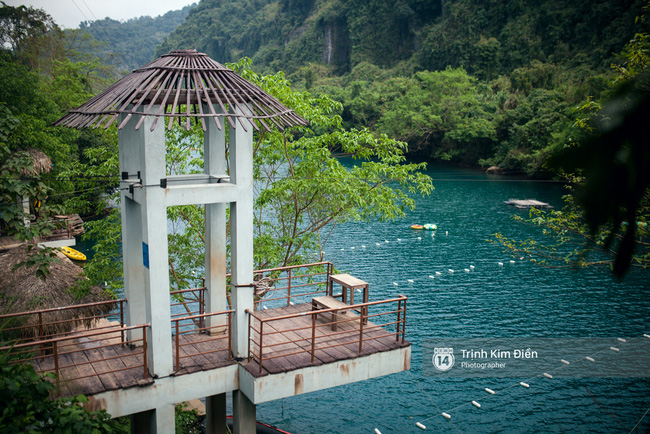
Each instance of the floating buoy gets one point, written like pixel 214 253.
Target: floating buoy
pixel 342 249
pixel 621 340
pixel 438 273
pixel 387 241
pixel 377 431
pixel 512 261
pixel 548 375
pixel 500 264
pixel 416 226
pixel 490 391
pixel 467 270
pixel 419 425
pixel 395 283
pixel 472 267
pixel 410 280
pixel 430 227
pixel 363 247
pixel 614 349
pixel 451 271
pixel 476 404
pixel 590 359
pixel 430 276
pixel 565 362
pixel 351 248
pixel 646 335
pixel 378 244
pixel 419 238
pixel 526 385
pixel 399 239
pixel 446 415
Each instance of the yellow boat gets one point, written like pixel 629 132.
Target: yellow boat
pixel 73 254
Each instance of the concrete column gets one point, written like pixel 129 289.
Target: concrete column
pixel 215 414
pixel 215 229
pixel 155 248
pixel 164 419
pixel 161 420
pixel 241 235
pixel 133 266
pixel 244 418
pixel 130 142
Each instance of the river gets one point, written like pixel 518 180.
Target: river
pixel 512 300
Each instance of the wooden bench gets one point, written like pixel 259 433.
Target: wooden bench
pixel 329 302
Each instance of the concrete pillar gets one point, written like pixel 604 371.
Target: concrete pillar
pixel 164 420
pixel 136 310
pixel 215 229
pixel 144 151
pixel 161 420
pixel 241 235
pixel 215 414
pixel 130 142
pixel 244 418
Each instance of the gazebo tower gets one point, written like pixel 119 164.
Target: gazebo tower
pixel 185 86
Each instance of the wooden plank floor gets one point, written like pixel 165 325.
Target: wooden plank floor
pixel 91 370
pixel 342 344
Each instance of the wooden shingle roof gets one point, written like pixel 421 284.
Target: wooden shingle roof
pixel 179 86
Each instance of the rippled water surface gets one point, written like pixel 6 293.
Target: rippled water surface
pixel 509 301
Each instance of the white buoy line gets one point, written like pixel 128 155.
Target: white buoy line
pixel 525 384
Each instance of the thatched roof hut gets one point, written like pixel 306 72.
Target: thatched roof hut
pixel 22 291
pixel 41 163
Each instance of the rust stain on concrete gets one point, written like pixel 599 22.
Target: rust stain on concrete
pixel 299 384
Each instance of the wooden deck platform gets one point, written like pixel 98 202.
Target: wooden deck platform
pixel 89 365
pixel 288 343
pixel 99 368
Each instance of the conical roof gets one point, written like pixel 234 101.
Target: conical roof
pixel 182 85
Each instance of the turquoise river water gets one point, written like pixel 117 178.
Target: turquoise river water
pixel 513 300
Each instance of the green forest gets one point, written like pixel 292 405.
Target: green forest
pixel 548 89
pixel 480 83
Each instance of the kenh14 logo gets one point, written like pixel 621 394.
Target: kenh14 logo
pixel 443 359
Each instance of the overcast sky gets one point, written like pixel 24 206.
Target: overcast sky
pixel 69 13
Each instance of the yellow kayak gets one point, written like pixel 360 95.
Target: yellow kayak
pixel 73 254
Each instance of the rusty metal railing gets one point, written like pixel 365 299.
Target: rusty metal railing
pixel 212 336
pixel 294 282
pixel 35 324
pixel 285 285
pixel 314 335
pixel 63 354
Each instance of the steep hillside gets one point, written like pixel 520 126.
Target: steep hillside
pixel 486 37
pixel 133 42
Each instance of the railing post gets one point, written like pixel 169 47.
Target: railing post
pixel 404 321
pixel 313 338
pixel 399 313
pixel 178 353
pixel 249 333
pixel 230 335
pixel 56 363
pixel 122 320
pixel 40 333
pixel 289 288
pixel 144 346
pixel 261 349
pixel 361 328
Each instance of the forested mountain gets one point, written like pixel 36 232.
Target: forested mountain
pixel 486 37
pixel 133 43
pixel 490 82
